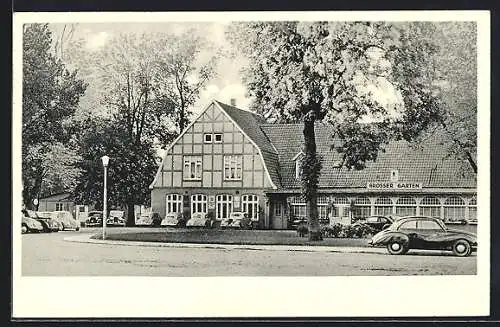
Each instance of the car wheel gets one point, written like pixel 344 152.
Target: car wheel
pixel 396 247
pixel 24 229
pixel 461 248
pixel 77 229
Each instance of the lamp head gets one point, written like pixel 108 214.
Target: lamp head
pixel 105 161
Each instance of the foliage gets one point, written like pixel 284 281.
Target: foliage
pixel 457 64
pixel 346 231
pixel 336 71
pixel 131 166
pixel 150 82
pixel 51 94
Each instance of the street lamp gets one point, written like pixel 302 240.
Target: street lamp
pixel 105 161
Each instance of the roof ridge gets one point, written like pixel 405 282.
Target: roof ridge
pixel 245 110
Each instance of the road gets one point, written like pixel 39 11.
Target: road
pixel 51 255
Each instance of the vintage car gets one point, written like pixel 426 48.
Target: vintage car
pixel 30 225
pixel 66 219
pixel 175 219
pixel 94 218
pixel 376 223
pixel 49 225
pixel 115 218
pixel 200 219
pixel 48 215
pixel 236 220
pixel 419 232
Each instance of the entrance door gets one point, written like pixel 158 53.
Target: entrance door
pixel 341 213
pixel 279 218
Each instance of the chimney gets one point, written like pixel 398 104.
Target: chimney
pixel 233 102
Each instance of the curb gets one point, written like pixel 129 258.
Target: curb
pixel 86 238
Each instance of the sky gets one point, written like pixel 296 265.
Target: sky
pixel 225 86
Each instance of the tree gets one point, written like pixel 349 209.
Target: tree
pixel 131 166
pixel 181 75
pixel 50 97
pixel 331 71
pixel 150 82
pixel 457 69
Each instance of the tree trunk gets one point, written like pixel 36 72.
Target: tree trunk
pixel 311 167
pixel 130 215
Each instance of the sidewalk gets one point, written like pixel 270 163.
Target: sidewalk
pixel 86 238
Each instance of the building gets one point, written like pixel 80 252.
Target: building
pixel 229 159
pixel 56 202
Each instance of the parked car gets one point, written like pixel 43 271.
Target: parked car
pixel 49 225
pixel 116 218
pixel 67 220
pixel 174 219
pixel 376 223
pixel 200 219
pixel 30 225
pixel 94 218
pixel 48 215
pixel 419 232
pixel 237 220
pixel 145 219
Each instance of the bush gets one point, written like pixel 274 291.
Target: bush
pixel 346 231
pixel 302 229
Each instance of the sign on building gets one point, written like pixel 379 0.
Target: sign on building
pixel 393 186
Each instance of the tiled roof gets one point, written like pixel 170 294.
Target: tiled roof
pixel 280 143
pixel 429 164
pixel 57 197
pixel 250 123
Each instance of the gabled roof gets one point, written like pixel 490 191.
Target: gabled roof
pixel 64 196
pixel 429 164
pixel 250 123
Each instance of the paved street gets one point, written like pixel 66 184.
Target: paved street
pixel 51 255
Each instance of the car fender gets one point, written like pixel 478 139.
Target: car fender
pixel 385 238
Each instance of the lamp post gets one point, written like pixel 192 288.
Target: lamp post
pixel 105 161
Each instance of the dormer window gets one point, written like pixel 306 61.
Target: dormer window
pixel 298 164
pixel 394 175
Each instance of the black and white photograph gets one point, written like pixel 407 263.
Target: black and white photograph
pixel 179 162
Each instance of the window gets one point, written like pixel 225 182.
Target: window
pixel 473 210
pixel 173 203
pixel 430 206
pixel 297 207
pixel 454 209
pixel 59 206
pixel 277 209
pixel 340 200
pixel 250 205
pixel 428 224
pixel 224 206
pixel 207 138
pixel 383 206
pixel 412 224
pixel 362 207
pixel 232 167
pixel 192 168
pixel 406 206
pixel 218 138
pixel 198 203
pixel 394 175
pixel 298 168
pixel 323 202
